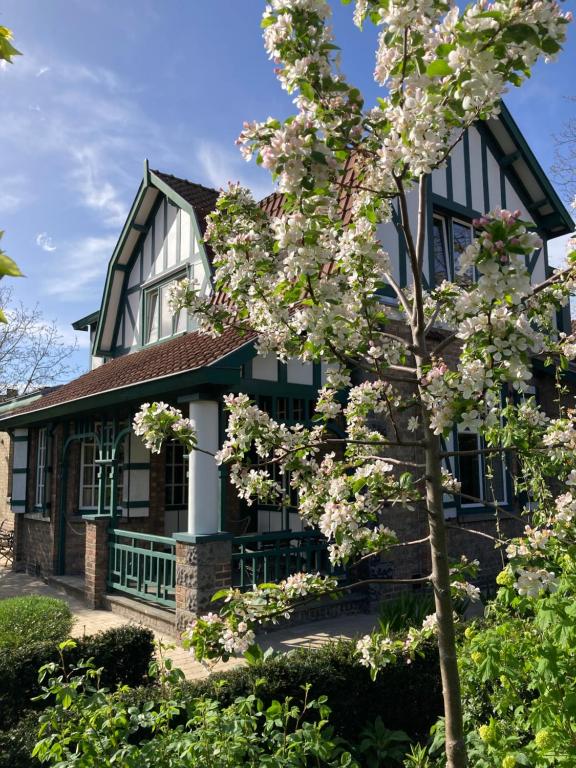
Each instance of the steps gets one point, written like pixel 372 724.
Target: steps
pixel 161 620
pixel 72 585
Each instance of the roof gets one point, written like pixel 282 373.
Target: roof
pixel 87 321
pixel 179 355
pixel 202 199
pixel 548 211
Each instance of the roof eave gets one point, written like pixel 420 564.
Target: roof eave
pixel 560 222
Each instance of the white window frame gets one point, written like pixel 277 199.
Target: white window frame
pixel 41 456
pixel 180 318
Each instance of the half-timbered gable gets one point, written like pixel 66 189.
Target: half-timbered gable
pixel 160 243
pixel 490 167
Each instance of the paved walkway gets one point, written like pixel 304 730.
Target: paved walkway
pixel 89 621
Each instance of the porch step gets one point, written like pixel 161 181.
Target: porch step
pixel 72 585
pixel 161 620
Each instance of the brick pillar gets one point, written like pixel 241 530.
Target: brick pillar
pixel 96 559
pixel 203 566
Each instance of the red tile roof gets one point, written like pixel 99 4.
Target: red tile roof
pixel 184 353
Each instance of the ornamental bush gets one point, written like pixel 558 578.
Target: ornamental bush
pixel 88 726
pixel 124 653
pixel 33 618
pixel 406 696
pixel 518 671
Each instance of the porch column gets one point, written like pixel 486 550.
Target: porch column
pixel 96 559
pixel 203 480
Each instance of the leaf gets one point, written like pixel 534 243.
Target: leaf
pixel 522 33
pixel 438 68
pixel 3 318
pixel 254 655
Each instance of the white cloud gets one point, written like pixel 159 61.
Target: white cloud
pixel 42 71
pixel 98 192
pixel 45 242
pixel 13 193
pixel 82 267
pixel 220 165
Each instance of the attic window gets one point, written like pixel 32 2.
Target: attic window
pixel 160 323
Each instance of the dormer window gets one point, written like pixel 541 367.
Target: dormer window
pixel 159 321
pixel 450 239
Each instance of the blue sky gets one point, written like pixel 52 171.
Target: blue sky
pixel 104 84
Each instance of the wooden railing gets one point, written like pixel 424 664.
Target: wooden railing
pixel 271 557
pixel 143 566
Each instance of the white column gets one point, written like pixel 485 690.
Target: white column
pixel 203 480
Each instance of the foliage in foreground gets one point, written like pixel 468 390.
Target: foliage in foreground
pixel 87 726
pixel 519 676
pixel 33 618
pixel 124 653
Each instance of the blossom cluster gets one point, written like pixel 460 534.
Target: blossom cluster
pixel 231 632
pixel 157 422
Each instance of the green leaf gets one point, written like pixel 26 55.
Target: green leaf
pixel 2 317
pixel 522 33
pixel 438 68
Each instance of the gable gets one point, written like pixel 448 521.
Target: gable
pixel 491 167
pixel 161 240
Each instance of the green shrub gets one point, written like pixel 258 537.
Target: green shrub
pixel 407 696
pixel 86 726
pixel 33 618
pixel 17 743
pixel 407 610
pixel 124 653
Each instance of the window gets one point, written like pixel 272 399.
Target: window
pixel 88 476
pixel 89 470
pixel 176 476
pixel 450 238
pixel 482 476
pixel 41 467
pixel 159 322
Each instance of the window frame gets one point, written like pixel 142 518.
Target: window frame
pixel 156 289
pixel 448 220
pixel 41 466
pixel 170 466
pixel 466 507
pixel 94 486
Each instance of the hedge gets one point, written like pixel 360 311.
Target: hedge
pixel 124 653
pixel 407 696
pixel 33 618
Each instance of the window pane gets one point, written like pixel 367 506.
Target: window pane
pixel 469 466
pixel 494 481
pixel 440 254
pixel 165 312
pixel 462 237
pixel 152 316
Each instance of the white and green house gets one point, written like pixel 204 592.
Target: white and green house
pixel 93 504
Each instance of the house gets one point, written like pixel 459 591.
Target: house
pixel 92 503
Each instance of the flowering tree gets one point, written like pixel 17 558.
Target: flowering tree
pixel 309 281
pixel 7 266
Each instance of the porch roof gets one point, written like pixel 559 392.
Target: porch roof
pixel 126 374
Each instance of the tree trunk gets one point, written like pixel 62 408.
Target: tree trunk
pixel 455 746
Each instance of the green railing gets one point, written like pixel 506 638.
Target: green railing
pixel 143 566
pixel 271 557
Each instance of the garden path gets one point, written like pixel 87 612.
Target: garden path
pixel 89 621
